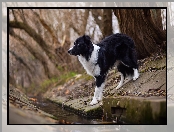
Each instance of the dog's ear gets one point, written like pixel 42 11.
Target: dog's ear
pixel 86 38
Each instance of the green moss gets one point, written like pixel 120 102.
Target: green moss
pixel 146 116
pixel 54 81
pixel 64 77
pixel 86 77
pixel 96 112
pixel 60 68
pixel 138 111
pixel 161 117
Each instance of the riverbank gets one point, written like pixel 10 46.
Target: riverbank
pixel 76 94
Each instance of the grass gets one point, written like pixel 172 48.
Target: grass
pixel 86 77
pixel 63 78
pixel 52 82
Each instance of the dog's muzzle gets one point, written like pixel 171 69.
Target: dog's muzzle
pixel 70 52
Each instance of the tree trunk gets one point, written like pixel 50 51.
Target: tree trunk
pixel 138 24
pixel 107 22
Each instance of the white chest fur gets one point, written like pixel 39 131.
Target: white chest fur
pixel 90 65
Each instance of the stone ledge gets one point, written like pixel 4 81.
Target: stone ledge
pixel 136 110
pixel 79 106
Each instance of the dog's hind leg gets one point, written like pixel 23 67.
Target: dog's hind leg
pixel 135 65
pixel 132 64
pixel 121 81
pixel 136 74
pixel 124 81
pixel 128 78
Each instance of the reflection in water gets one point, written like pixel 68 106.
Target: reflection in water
pixel 64 116
pixel 67 117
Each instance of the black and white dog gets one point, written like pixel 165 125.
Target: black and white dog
pixel 117 49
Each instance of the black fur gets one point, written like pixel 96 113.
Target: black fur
pixel 117 47
pixel 82 46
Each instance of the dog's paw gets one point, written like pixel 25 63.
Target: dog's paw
pixel 94 101
pixel 100 98
pixel 136 74
pixel 135 77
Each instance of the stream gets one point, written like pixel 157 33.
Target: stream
pixel 60 113
pixel 64 116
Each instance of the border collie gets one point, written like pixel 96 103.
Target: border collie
pixel 117 49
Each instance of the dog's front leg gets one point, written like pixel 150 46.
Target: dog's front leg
pixel 98 94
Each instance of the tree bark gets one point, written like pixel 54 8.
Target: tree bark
pixel 96 13
pixel 49 67
pixel 31 32
pixel 107 22
pixel 79 28
pixel 21 60
pixel 103 19
pixel 138 24
pixel 47 27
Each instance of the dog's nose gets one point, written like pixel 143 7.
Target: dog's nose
pixel 69 51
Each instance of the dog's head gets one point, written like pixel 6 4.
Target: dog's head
pixel 81 46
